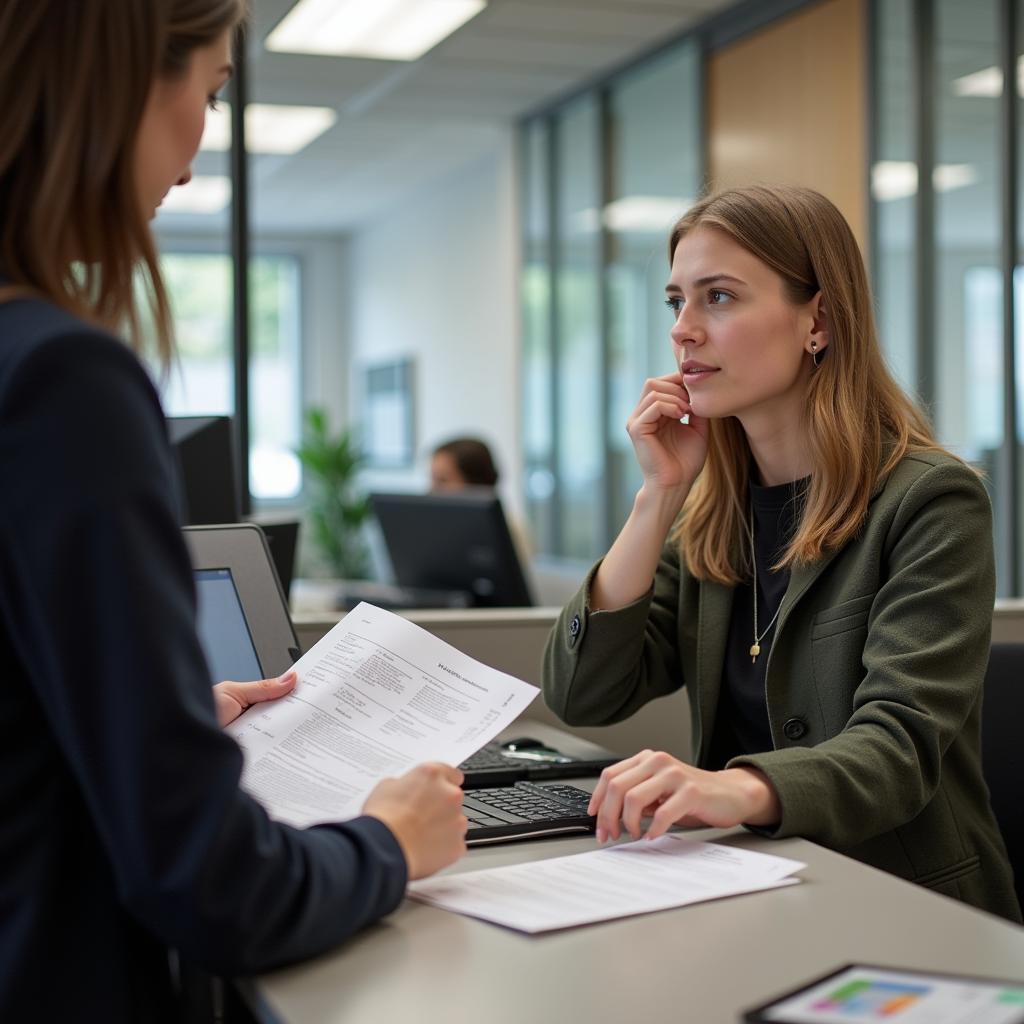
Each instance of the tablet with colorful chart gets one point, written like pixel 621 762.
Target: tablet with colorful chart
pixel 860 994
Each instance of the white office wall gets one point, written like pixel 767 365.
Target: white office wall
pixel 437 280
pixel 326 321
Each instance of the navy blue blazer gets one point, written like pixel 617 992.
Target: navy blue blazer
pixel 124 833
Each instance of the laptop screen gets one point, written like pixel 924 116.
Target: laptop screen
pixel 223 631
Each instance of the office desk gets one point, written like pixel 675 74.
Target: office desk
pixel 699 964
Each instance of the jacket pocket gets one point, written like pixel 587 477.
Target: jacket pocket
pixel 943 876
pixel 841 617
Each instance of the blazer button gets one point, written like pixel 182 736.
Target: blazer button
pixel 794 729
pixel 574 630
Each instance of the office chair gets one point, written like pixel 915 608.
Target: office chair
pixel 1002 748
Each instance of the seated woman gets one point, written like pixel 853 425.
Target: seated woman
pixel 805 559
pixel 467 462
pixel 460 463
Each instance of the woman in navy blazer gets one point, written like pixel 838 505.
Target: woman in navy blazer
pixel 127 850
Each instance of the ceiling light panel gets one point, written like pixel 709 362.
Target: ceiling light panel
pixel 988 82
pixel 269 127
pixel 204 194
pixel 897 179
pixel 381 29
pixel 645 214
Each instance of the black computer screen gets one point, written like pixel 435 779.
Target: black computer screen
pixel 204 446
pixel 457 542
pixel 223 631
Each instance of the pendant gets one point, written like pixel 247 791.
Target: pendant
pixel 755 650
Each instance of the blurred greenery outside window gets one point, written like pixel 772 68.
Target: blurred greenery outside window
pixel 202 380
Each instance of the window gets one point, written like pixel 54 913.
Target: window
pixel 202 380
pixel 275 357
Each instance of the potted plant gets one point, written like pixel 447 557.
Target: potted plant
pixel 335 508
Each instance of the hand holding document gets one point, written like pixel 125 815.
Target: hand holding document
pixel 374 697
pixel 634 878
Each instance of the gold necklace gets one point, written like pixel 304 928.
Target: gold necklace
pixel 755 647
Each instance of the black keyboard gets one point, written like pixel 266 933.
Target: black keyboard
pixel 527 810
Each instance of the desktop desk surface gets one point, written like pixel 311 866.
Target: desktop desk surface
pixel 700 964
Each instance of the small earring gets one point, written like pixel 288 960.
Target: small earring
pixel 814 352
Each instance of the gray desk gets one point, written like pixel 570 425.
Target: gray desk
pixel 700 964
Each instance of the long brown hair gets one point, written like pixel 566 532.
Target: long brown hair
pixel 859 422
pixel 75 78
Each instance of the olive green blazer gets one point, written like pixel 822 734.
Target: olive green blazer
pixel 873 682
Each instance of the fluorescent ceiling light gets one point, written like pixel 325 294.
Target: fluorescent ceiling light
pixel 897 179
pixel 384 29
pixel 647 214
pixel 632 215
pixel 203 194
pixel 947 177
pixel 269 127
pixel 893 179
pixel 988 82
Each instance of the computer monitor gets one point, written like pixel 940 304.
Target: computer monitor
pixel 206 463
pixel 455 542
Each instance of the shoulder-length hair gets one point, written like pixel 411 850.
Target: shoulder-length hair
pixel 473 459
pixel 75 78
pixel 859 423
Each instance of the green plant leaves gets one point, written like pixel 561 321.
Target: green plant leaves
pixel 336 509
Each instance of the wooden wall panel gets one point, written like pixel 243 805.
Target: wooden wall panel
pixel 789 105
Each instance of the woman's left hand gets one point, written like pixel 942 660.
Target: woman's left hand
pixel 231 699
pixel 655 785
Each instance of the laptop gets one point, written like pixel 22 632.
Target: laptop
pixel 247 633
pixel 244 625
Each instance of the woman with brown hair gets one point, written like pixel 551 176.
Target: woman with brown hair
pixel 805 559
pixel 462 462
pixel 125 835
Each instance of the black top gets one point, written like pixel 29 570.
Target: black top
pixel 741 722
pixel 124 830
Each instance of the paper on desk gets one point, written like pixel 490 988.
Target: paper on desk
pixel 374 697
pixel 635 878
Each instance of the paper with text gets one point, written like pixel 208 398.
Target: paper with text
pixel 634 878
pixel 376 696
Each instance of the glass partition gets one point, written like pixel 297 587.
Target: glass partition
pixel 968 359
pixel 894 189
pixel 604 178
pixel 941 109
pixel 579 383
pixel 538 353
pixel 654 176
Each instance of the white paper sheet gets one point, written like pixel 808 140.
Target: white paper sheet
pixel 634 878
pixel 374 697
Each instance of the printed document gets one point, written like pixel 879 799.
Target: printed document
pixel 376 696
pixel 634 878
